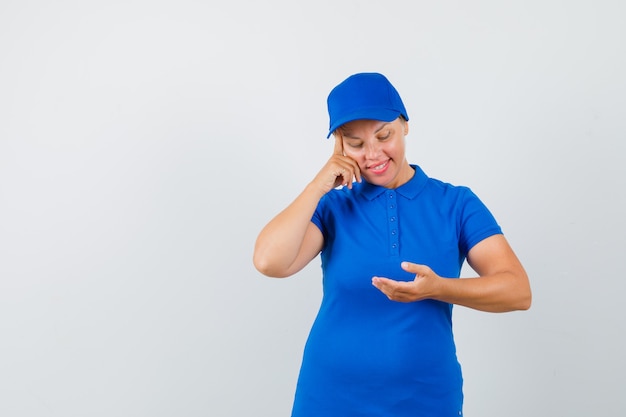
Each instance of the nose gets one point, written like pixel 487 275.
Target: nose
pixel 371 150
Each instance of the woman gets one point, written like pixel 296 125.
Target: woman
pixel 392 243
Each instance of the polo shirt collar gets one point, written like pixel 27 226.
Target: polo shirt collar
pixel 408 190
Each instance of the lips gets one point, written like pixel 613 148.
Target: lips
pixel 379 168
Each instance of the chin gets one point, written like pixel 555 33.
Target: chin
pixel 381 182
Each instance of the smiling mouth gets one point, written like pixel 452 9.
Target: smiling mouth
pixel 379 168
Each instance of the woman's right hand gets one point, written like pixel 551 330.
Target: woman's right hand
pixel 339 170
pixel 290 240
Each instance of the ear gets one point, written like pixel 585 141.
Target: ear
pixel 406 128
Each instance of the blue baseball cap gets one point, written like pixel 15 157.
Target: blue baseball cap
pixel 367 95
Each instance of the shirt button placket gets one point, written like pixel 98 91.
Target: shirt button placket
pixel 392 223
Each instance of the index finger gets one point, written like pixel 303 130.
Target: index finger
pixel 338 144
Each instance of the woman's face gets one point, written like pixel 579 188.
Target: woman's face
pixel 379 149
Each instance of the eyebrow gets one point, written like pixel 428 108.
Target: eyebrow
pixel 349 136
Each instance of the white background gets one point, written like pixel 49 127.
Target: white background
pixel 143 145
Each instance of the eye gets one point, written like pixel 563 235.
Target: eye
pixel 385 135
pixel 355 145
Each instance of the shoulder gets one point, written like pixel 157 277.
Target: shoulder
pixel 450 198
pixel 447 191
pixel 341 196
pixel 421 185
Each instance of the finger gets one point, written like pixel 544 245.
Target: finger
pixel 394 290
pixel 377 282
pixel 350 172
pixel 383 283
pixel 345 178
pixel 415 268
pixel 338 145
pixel 357 173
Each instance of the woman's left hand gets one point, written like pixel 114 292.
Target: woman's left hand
pixel 502 284
pixel 425 284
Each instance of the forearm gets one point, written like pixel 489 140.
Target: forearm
pixel 502 284
pixel 280 242
pixel 499 292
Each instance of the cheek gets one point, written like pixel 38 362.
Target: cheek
pixel 356 155
pixel 397 148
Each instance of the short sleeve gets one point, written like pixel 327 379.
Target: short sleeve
pixel 318 216
pixel 476 222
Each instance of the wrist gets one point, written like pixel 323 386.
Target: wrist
pixel 315 190
pixel 441 288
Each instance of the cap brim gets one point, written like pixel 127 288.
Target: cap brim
pixel 382 115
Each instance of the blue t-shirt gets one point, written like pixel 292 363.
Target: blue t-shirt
pixel 367 355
